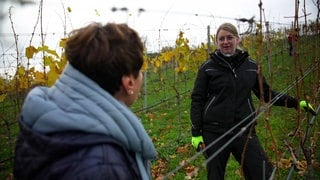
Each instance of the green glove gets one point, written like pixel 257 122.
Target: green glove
pixel 307 107
pixel 195 141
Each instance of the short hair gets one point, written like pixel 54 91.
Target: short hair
pixel 105 53
pixel 228 27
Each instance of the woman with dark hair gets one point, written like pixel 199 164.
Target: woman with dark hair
pixel 82 127
pixel 221 100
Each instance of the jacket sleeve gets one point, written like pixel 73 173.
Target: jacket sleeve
pixel 198 99
pixel 276 98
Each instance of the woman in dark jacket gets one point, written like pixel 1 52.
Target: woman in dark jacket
pixel 82 127
pixel 221 99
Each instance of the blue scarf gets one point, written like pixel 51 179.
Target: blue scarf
pixel 75 102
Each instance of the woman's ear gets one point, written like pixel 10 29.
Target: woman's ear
pixel 128 84
pixel 239 40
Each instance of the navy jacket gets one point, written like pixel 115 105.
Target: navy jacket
pixel 71 155
pixel 222 93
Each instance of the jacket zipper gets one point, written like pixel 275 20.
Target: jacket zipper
pixel 234 72
pixel 209 104
pixel 232 69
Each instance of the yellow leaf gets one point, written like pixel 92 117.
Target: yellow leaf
pixel 3 84
pixel 43 48
pixel 285 163
pixel 46 49
pixel 145 64
pixel 30 51
pixel 69 9
pixel 21 71
pixel 302 165
pixel 157 64
pixel 39 77
pixel 23 83
pixel 2 97
pixel 62 42
pixel 47 60
pixel 52 77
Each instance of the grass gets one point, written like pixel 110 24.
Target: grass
pixel 8 133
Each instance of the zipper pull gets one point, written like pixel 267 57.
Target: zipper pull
pixel 234 73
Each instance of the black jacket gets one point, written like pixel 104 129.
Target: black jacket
pixel 222 93
pixel 71 155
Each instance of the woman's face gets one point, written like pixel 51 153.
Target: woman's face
pixel 227 42
pixel 136 87
pixel 138 84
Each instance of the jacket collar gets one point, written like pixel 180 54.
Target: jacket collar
pixel 233 61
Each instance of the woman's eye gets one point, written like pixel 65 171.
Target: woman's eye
pixel 228 38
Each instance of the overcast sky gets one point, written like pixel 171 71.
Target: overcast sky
pixel 161 19
pixel 158 24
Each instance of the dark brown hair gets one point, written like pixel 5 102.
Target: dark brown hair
pixel 105 53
